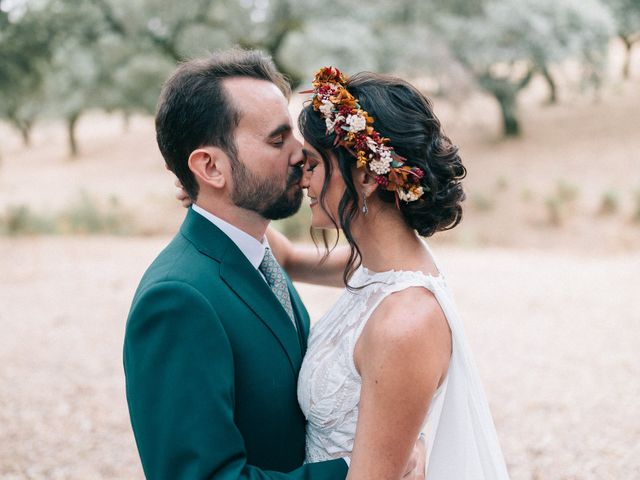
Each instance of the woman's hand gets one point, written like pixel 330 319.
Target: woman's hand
pixel 417 466
pixel 303 263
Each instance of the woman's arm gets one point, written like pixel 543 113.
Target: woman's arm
pixel 402 356
pixel 302 262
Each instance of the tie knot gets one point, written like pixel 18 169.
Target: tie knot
pixel 269 262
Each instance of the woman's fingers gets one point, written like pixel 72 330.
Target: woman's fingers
pixel 181 194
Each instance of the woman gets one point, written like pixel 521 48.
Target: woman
pixel 389 361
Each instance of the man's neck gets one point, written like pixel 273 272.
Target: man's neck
pixel 246 220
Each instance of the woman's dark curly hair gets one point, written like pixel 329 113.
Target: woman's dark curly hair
pixel 405 116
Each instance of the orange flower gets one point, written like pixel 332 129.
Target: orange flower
pixel 338 106
pixel 361 159
pixel 329 75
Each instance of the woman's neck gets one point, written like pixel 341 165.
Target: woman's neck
pixel 386 242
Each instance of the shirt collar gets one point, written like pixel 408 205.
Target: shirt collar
pixel 248 245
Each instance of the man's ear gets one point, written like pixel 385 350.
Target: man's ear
pixel 209 165
pixel 365 182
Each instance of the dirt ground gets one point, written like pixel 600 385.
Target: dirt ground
pixel 555 337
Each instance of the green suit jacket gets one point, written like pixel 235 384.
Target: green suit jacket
pixel 211 362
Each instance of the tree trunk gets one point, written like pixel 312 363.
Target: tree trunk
pixel 509 111
pixel 25 131
pixel 23 126
pixel 627 57
pixel 72 121
pixel 553 89
pixel 126 121
pixel 506 91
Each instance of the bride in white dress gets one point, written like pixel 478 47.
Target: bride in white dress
pixel 389 361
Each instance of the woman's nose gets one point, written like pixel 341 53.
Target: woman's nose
pixel 306 175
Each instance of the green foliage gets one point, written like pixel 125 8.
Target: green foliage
pixel 482 202
pixel 554 208
pixel 82 216
pixel 327 44
pixel 559 202
pixel 566 192
pixel 399 38
pixel 526 195
pixel 64 57
pixel 627 15
pixel 609 203
pixel 513 39
pixel 24 52
pixel 636 208
pixel 20 220
pixel 502 183
pixel 297 226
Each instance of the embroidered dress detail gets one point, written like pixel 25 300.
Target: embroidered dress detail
pixel 461 438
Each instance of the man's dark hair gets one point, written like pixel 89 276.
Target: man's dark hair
pixel 194 109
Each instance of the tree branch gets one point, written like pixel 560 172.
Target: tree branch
pixel 114 23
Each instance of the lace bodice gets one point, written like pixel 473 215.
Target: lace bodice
pixel 329 384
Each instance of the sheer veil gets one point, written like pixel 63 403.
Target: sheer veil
pixel 462 443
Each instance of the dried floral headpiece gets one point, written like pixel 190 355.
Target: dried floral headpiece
pixel 353 129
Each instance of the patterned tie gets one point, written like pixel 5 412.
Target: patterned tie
pixel 276 280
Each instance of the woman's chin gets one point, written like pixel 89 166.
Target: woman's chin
pixel 321 224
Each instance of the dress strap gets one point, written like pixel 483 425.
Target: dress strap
pixel 387 284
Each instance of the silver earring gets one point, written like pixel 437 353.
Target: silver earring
pixel 365 209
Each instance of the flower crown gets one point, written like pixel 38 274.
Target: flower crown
pixel 353 129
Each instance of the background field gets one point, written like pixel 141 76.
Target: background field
pixel 544 267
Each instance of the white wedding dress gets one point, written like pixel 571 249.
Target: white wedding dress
pixel 461 439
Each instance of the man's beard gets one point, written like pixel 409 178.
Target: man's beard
pixel 266 196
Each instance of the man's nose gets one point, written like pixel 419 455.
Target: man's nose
pixel 298 154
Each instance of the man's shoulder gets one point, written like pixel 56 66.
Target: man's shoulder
pixel 180 262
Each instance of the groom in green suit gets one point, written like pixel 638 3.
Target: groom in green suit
pixel 216 333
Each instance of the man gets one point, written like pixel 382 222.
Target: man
pixel 216 332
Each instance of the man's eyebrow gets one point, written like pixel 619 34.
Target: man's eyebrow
pixel 285 127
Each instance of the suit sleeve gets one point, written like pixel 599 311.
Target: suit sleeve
pixel 180 391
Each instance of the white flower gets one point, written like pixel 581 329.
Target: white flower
pixel 380 166
pixel 373 146
pixel 356 122
pixel 330 124
pixel 385 154
pixel 326 108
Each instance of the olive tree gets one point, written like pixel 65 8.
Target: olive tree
pixel 512 40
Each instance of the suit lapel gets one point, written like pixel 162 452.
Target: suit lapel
pixel 241 277
pixel 301 315
pixel 245 281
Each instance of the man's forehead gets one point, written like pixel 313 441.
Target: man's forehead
pixel 257 101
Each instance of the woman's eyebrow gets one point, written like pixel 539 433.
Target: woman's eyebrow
pixel 309 154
